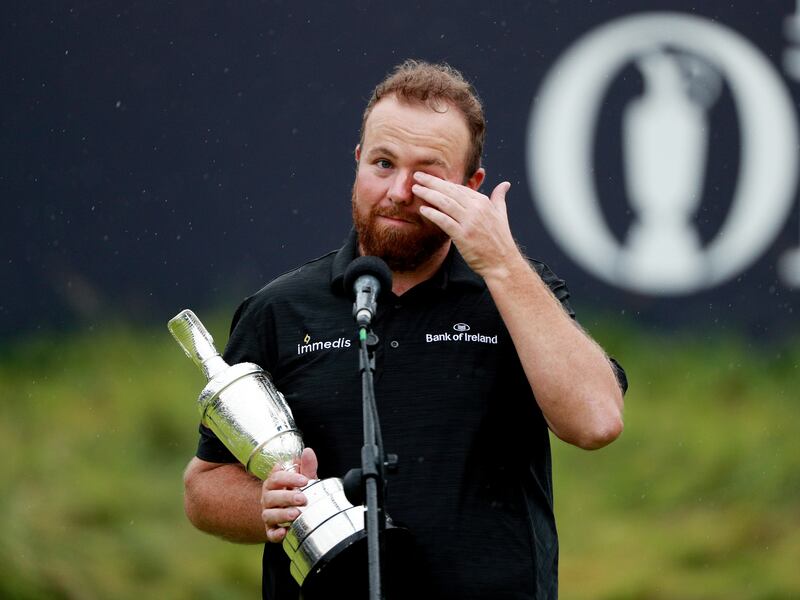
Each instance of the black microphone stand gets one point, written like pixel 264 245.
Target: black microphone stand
pixel 372 463
pixel 366 276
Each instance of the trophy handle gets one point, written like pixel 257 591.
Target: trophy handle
pixel 196 342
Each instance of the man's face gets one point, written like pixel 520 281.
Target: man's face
pixel 399 139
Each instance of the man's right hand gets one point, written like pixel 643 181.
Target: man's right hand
pixel 280 496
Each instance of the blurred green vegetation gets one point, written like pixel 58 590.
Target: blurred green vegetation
pixel 700 498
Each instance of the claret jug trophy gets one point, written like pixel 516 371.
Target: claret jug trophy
pixel 250 416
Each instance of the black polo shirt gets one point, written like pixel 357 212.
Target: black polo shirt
pixel 473 482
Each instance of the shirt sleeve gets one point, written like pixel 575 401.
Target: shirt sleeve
pixel 622 378
pixel 557 285
pixel 247 343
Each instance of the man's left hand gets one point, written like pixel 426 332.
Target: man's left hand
pixel 477 224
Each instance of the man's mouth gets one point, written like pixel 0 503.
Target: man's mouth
pixel 398 219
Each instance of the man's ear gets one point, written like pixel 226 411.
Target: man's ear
pixel 477 178
pixel 358 152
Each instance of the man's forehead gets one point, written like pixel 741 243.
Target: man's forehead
pixel 393 104
pixel 391 119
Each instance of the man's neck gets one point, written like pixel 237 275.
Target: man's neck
pixel 402 281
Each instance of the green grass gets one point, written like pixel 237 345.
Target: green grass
pixel 700 498
pixel 96 430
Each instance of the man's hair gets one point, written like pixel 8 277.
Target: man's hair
pixel 436 86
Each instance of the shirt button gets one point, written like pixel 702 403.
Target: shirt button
pixel 394 343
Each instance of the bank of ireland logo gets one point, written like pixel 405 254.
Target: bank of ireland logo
pixel 461 335
pixel 665 138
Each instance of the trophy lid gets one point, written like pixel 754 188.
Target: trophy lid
pixel 196 342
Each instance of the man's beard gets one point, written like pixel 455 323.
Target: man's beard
pixel 402 249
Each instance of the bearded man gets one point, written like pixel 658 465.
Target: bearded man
pixel 468 416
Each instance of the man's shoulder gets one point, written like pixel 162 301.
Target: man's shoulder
pixel 297 281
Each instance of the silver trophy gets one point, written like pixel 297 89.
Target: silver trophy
pixel 250 416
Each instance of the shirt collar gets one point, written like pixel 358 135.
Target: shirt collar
pixel 454 270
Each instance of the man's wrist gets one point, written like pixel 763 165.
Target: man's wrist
pixel 512 269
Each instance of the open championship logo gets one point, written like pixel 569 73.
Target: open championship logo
pixel 665 137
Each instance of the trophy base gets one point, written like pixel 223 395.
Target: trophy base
pixel 327 546
pixel 343 571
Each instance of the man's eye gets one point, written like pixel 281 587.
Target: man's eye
pixel 383 163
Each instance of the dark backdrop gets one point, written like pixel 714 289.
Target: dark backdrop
pixel 157 155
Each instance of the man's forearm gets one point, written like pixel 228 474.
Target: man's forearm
pixel 570 375
pixel 224 500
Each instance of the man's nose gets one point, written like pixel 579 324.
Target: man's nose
pixel 400 192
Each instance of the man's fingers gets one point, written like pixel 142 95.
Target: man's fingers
pixel 443 202
pixel 445 222
pixel 276 520
pixel 279 480
pixel 276 534
pixel 278 517
pixel 282 498
pixel 308 463
pixel 499 192
pixel 436 183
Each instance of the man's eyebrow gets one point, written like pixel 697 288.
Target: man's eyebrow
pixel 382 150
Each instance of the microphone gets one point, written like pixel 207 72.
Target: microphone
pixel 367 277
